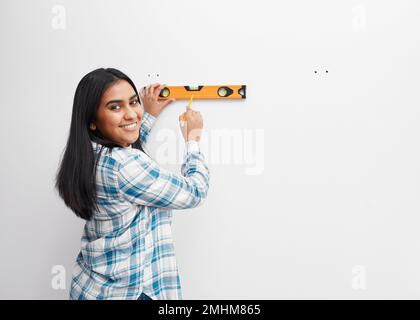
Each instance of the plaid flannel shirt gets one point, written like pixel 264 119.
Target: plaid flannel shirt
pixel 127 247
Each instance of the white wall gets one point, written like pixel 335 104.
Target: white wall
pixel 337 153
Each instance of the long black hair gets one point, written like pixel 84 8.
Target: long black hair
pixel 75 178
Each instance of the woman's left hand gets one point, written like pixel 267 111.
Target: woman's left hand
pixel 151 102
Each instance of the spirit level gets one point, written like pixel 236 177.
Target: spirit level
pixel 204 92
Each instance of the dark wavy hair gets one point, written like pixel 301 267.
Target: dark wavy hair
pixel 75 180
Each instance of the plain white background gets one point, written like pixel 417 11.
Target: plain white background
pixel 338 190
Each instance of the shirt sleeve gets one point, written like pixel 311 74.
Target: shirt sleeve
pixel 142 181
pixel 147 123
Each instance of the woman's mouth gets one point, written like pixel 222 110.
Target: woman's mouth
pixel 129 126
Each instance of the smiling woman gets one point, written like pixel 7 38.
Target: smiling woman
pixel 75 179
pixel 125 197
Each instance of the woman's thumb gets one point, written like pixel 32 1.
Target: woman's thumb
pixel 182 121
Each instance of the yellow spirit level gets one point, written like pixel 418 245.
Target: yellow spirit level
pixel 204 92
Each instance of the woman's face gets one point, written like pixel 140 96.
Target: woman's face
pixel 119 114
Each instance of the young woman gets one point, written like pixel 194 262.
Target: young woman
pixel 106 178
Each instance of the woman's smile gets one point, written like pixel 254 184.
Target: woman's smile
pixel 130 126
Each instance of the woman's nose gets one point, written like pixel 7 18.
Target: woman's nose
pixel 130 113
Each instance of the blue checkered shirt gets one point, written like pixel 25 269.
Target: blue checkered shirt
pixel 127 247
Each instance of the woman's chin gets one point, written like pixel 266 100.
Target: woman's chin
pixel 132 140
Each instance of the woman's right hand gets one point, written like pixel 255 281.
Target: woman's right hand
pixel 191 124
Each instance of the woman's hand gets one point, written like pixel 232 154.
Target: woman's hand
pixel 150 97
pixel 191 124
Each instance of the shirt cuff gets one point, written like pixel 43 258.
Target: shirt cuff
pixel 148 119
pixel 192 146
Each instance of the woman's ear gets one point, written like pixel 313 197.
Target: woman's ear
pixel 93 126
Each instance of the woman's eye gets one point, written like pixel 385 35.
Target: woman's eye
pixel 134 102
pixel 116 107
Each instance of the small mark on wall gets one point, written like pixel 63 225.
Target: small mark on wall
pixel 316 71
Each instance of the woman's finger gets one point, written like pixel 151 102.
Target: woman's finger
pixel 167 102
pixel 154 86
pixel 153 89
pixel 150 88
pixel 182 120
pixel 158 90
